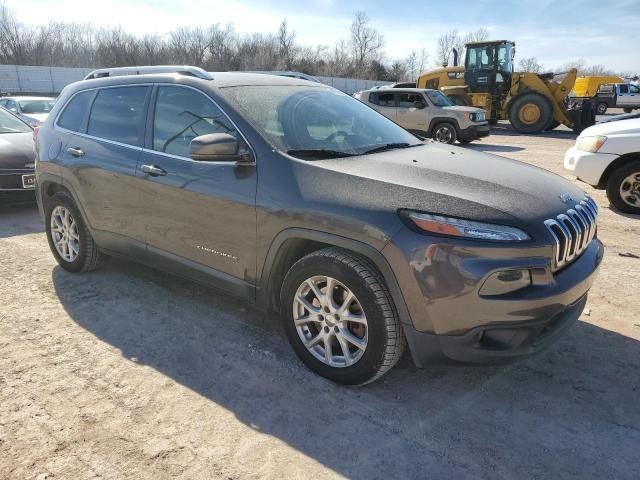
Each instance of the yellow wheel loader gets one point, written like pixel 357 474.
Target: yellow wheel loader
pixel 532 102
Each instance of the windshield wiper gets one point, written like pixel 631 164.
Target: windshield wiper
pixel 389 146
pixel 319 153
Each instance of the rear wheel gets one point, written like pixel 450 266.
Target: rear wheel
pixel 444 132
pixel 627 110
pixel 530 113
pixel 339 317
pixel 601 108
pixel 69 239
pixel 623 188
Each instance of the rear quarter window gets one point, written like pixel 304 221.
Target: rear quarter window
pixel 75 112
pixel 118 114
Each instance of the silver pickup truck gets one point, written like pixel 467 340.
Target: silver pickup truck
pixel 618 95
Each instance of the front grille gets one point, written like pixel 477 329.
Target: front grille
pixel 10 181
pixel 572 231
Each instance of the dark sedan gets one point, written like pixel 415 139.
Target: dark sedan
pixel 17 179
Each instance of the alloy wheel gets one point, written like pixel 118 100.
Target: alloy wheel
pixel 630 190
pixel 443 135
pixel 64 232
pixel 330 321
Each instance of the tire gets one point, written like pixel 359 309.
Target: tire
pixel 601 108
pixel 87 256
pixel 380 338
pixel 627 110
pixel 553 125
pixel 530 113
pixel 444 132
pixel 625 178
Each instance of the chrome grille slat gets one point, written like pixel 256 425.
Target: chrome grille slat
pixel 572 231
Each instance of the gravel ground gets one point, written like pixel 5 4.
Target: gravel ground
pixel 130 373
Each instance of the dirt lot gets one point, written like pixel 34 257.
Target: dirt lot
pixel 131 373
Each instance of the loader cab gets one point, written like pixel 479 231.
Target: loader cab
pixel 489 66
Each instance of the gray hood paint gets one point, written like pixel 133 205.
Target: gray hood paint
pixel 444 180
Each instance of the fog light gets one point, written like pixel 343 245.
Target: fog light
pixel 506 281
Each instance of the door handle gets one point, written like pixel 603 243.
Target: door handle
pixel 75 152
pixel 153 170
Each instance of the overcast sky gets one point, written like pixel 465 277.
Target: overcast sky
pixel 555 31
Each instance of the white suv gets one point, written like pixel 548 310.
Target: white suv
pixel 607 155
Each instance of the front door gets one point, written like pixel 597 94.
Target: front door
pixel 203 213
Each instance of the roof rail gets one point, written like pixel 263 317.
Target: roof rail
pixel 180 69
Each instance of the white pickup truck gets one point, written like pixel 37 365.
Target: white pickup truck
pixel 607 156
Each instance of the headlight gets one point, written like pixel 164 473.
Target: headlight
pixel 457 227
pixel 590 144
pixel 477 117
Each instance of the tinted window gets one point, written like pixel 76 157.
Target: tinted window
pixel 624 89
pixel 182 114
pixel 634 89
pixel 118 114
pixel 75 111
pixel 408 100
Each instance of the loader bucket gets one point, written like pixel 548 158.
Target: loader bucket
pixel 582 116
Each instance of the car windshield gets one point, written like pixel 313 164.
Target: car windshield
pixel 36 106
pixel 316 122
pixel 11 124
pixel 439 99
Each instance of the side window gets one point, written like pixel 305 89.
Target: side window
pixel 433 83
pixel 634 89
pixel 118 114
pixel 181 114
pixel 373 98
pixel 408 100
pixel 12 105
pixel 386 99
pixel 74 113
pixel 623 88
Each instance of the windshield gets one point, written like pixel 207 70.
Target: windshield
pixel 301 119
pixel 10 124
pixel 36 106
pixel 439 99
pixel 491 57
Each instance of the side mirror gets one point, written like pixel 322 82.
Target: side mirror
pixel 419 105
pixel 218 147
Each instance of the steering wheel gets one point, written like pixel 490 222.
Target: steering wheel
pixel 339 133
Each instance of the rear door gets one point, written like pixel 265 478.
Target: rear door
pixel 203 212
pixel 101 155
pixel 410 116
pixel 385 103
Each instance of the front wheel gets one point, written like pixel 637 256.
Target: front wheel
pixel 69 239
pixel 623 188
pixel 530 113
pixel 339 317
pixel 444 133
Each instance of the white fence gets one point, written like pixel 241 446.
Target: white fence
pixel 51 80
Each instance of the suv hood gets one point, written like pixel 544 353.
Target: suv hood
pixel 615 127
pixel 444 180
pixel 16 150
pixel 460 108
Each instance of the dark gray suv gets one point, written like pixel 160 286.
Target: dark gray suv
pixel 298 198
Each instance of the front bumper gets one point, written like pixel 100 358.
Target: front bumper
pixel 449 318
pixel 587 166
pixel 474 132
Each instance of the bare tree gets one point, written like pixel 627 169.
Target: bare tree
pixel 366 41
pixel 530 64
pixel 286 45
